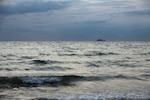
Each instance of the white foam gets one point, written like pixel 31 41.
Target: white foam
pixel 41 80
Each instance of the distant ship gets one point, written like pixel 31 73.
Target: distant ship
pixel 100 40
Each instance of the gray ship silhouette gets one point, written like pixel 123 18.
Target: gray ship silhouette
pixel 100 40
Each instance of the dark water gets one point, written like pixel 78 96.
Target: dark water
pixel 74 70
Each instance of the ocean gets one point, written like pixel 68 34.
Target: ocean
pixel 74 70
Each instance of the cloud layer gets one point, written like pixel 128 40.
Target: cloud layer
pixel 74 19
pixel 33 6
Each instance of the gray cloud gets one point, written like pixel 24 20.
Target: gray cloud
pixel 31 7
pixel 74 19
pixel 138 12
pixel 96 22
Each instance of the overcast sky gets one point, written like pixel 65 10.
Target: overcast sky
pixel 74 20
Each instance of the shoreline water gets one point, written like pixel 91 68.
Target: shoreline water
pixel 74 70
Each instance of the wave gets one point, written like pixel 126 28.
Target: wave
pixel 54 68
pixel 91 53
pixel 27 57
pixel 147 76
pixel 44 54
pixel 42 62
pixel 147 60
pixel 148 53
pixel 9 55
pixel 34 81
pixel 93 98
pixel 124 63
pixel 93 65
pixel 72 54
pixel 44 99
pixel 109 77
pixel 66 80
pixel 8 69
pixel 120 63
pixel 97 53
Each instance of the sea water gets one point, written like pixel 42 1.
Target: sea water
pixel 74 70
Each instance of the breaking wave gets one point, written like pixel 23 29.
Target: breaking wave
pixel 66 80
pixel 34 81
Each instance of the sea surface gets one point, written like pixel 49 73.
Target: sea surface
pixel 74 70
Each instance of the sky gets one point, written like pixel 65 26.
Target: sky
pixel 74 20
